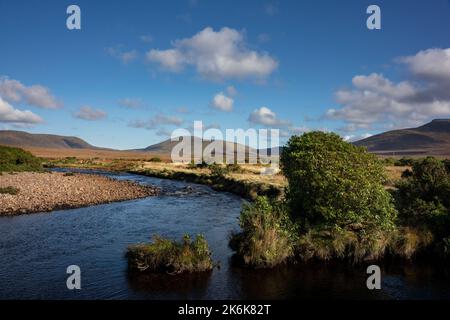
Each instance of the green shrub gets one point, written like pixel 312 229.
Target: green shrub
pixel 155 159
pixel 9 190
pixel 267 236
pixel 16 159
pixel 423 198
pixel 332 182
pixel 217 171
pixel 164 255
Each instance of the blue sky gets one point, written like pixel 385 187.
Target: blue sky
pixel 139 69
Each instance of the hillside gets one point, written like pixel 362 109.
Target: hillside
pixel 24 139
pixel 430 139
pixel 166 147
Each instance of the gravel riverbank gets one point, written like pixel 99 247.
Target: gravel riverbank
pixel 42 192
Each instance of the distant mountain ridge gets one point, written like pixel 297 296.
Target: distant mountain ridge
pixel 166 147
pixel 25 139
pixel 432 138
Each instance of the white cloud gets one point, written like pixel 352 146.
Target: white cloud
pixel 90 114
pixel 375 100
pixel 156 122
pixel 216 56
pixel 170 59
pixel 352 137
pixel 35 95
pixel 433 64
pixel 265 116
pixel 222 102
pixel 15 116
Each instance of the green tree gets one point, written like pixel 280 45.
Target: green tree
pixel 423 196
pixel 332 182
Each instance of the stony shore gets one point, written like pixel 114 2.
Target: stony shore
pixel 42 192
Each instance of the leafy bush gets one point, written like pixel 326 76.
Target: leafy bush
pixel 155 159
pixel 217 170
pixel 164 255
pixel 423 197
pixel 16 159
pixel 267 236
pixel 332 182
pixel 9 190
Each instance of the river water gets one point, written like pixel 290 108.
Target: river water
pixel 36 249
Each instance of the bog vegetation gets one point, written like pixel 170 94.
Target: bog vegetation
pixel 15 159
pixel 336 206
pixel 167 256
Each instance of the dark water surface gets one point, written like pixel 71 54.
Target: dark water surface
pixel 36 249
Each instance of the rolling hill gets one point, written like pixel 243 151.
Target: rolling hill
pixel 166 147
pixel 24 139
pixel 432 138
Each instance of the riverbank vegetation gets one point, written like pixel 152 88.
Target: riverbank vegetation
pixel 337 206
pixel 167 256
pixel 16 159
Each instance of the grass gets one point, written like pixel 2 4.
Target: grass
pixel 9 190
pixel 266 239
pixel 16 159
pixel 167 256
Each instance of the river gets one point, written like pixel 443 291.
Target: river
pixel 36 249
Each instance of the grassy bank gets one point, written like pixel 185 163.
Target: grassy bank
pixel 245 188
pixel 340 205
pixel 16 160
pixel 167 256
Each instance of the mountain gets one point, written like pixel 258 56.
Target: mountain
pixel 24 139
pixel 167 146
pixel 430 139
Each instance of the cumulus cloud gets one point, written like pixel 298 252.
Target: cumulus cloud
pixel 222 102
pixel 90 114
pixel 130 103
pixel 216 55
pixel 156 122
pixel 432 64
pixel 374 100
pixel 265 116
pixel 17 117
pixel 35 95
